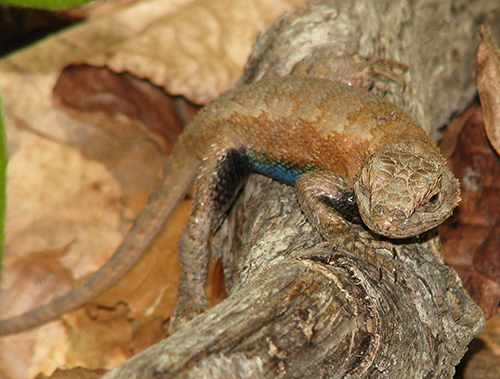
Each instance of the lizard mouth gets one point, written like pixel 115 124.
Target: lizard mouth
pixel 395 228
pixel 396 224
pixel 392 223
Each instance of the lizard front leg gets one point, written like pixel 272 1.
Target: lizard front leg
pixel 329 203
pixel 222 174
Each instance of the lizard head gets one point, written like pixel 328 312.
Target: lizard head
pixel 401 194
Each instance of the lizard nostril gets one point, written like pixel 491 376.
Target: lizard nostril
pixel 379 211
pixel 400 216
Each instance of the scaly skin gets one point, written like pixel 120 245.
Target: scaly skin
pixel 331 137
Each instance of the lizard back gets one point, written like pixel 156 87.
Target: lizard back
pixel 292 124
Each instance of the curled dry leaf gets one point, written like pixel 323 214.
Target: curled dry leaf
pixel 471 236
pixel 105 329
pixel 98 94
pixel 84 179
pixel 491 334
pixel 55 198
pixel 26 279
pixel 206 45
pixel 488 85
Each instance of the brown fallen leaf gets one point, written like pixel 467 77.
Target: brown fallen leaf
pixel 475 237
pixel 105 329
pixel 491 334
pixel 75 179
pixel 208 44
pixel 33 276
pixel 98 94
pixel 488 85
pixel 470 236
pixel 483 365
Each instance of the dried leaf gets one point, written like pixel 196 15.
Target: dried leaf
pixel 208 44
pixel 488 85
pixel 97 94
pixel 149 334
pixel 32 277
pixel 471 236
pixel 491 334
pixel 105 329
pixel 84 179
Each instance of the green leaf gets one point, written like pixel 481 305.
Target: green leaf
pixel 50 4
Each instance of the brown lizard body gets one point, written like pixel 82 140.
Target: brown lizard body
pixel 337 142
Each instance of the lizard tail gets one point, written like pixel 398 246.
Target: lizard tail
pixel 167 195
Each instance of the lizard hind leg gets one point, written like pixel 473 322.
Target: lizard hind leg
pixel 222 173
pixel 351 69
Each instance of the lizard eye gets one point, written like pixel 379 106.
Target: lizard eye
pixel 432 203
pixel 434 199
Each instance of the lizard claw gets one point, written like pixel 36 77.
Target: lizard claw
pixel 381 254
pixel 382 261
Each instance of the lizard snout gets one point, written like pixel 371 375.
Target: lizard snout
pixel 390 218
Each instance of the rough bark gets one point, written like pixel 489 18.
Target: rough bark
pixel 303 308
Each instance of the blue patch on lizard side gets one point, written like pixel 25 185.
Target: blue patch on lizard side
pixel 283 171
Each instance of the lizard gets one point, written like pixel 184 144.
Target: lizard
pixel 356 158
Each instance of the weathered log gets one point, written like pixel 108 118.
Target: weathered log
pixel 305 309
